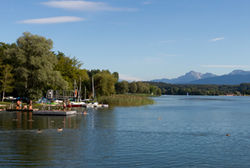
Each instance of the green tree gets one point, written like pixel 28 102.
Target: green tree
pixel 34 64
pixel 6 79
pixel 158 92
pixel 143 87
pixel 69 69
pixel 132 87
pixel 92 72
pixel 153 90
pixel 122 87
pixel 116 75
pixel 104 83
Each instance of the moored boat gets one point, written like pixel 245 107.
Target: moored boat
pixel 76 104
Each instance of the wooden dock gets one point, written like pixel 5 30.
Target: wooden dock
pixel 54 112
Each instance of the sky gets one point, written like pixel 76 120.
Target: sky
pixel 140 39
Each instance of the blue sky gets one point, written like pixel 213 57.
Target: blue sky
pixel 140 39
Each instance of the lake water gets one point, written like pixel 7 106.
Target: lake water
pixel 178 131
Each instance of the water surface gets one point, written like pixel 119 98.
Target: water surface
pixel 178 131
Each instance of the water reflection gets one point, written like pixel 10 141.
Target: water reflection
pixel 29 140
pixel 175 132
pixel 26 121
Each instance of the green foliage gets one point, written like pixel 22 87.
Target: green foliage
pixel 122 87
pixel 70 69
pixel 34 64
pixel 143 87
pixel 171 89
pixel 92 72
pixel 153 90
pixel 104 83
pixel 132 87
pixel 6 79
pixel 37 69
pixel 158 91
pixel 116 75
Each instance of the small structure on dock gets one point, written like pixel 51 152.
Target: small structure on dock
pixel 61 94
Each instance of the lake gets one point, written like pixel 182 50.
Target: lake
pixel 177 131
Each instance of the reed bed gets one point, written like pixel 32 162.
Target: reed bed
pixel 126 100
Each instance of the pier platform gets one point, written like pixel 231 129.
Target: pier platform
pixel 54 112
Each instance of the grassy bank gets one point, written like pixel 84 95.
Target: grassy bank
pixel 126 100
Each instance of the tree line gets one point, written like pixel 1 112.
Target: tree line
pixel 182 89
pixel 29 67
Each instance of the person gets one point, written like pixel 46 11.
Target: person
pixel 69 105
pixel 25 107
pixel 30 105
pixel 85 112
pixel 18 105
pixel 64 105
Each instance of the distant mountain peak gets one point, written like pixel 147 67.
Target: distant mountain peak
pixel 239 72
pixel 235 77
pixel 196 75
pixel 188 77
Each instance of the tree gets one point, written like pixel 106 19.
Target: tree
pixel 6 79
pixel 158 92
pixel 122 87
pixel 132 87
pixel 153 90
pixel 143 87
pixel 92 72
pixel 69 68
pixel 3 48
pixel 116 75
pixel 104 83
pixel 34 64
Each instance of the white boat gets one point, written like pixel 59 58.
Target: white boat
pixel 96 105
pixel 77 104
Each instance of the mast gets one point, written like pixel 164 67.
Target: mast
pixel 75 90
pixel 80 89
pixel 93 87
pixel 85 93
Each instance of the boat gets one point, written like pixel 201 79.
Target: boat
pixel 96 105
pixel 77 104
pixel 54 112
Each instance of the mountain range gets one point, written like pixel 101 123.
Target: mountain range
pixel 233 78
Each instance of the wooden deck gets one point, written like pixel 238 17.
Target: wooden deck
pixel 53 112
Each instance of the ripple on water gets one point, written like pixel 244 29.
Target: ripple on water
pixel 175 132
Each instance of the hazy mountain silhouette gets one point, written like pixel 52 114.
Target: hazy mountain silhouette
pixel 187 78
pixel 192 77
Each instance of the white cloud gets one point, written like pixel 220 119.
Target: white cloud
pixel 83 5
pixel 147 2
pixel 225 66
pixel 129 78
pixel 51 20
pixel 217 39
